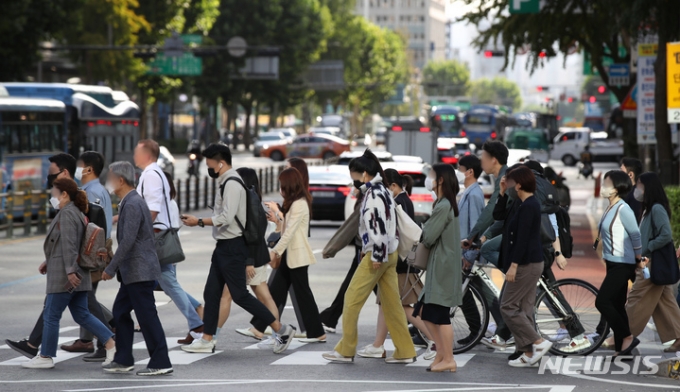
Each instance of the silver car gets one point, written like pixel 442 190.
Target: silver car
pixel 268 139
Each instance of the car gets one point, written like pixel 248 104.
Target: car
pixel 290 133
pixel 380 136
pixel 450 150
pixel 407 159
pixel 267 139
pixel 166 161
pixel 534 139
pixel 571 142
pixel 329 186
pixel 333 131
pixel 346 157
pixel 308 146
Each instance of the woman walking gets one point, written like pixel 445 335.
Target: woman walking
pixel 67 283
pixel 410 286
pixel 645 298
pixel 441 235
pixel 378 229
pixel 621 250
pixel 523 263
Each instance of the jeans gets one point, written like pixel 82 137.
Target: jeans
pixel 99 311
pixel 55 304
pixel 172 288
pixel 491 249
pixel 229 267
pixel 139 297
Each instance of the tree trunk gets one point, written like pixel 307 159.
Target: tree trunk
pixel 273 113
pixel 248 107
pixel 256 131
pixel 156 123
pixel 142 114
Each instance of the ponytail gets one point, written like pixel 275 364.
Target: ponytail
pixel 81 201
pixel 407 183
pixel 77 196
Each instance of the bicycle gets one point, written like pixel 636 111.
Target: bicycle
pixel 563 306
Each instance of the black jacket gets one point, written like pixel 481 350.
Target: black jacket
pixel 502 212
pixel 523 233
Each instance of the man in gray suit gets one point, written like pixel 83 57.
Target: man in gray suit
pixel 139 270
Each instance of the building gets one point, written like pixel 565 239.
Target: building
pixel 422 22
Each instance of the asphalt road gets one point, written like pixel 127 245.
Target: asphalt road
pixel 239 367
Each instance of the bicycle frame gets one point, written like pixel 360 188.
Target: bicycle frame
pixel 554 302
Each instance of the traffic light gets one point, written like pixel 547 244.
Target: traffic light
pixel 494 53
pixel 542 88
pixel 601 89
pixel 592 99
pixel 570 100
pixel 542 54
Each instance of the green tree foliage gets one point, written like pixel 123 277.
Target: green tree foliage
pixel 446 77
pixel 498 91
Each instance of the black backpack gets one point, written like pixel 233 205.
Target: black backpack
pixel 564 226
pixel 95 214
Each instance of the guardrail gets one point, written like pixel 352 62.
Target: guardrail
pixel 27 213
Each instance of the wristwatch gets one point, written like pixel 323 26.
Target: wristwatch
pixel 200 222
pixel 558 253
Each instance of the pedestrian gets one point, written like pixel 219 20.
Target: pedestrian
pixel 293 252
pixel 409 284
pixel 138 269
pixel 256 269
pixel 633 168
pixel 228 264
pixel 621 250
pixel 154 188
pixel 377 228
pixel 443 284
pixel 646 299
pixel 67 283
pixel 523 265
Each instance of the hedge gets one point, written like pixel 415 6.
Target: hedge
pixel 673 193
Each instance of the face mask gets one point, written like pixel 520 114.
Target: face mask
pixel 110 188
pixel 358 184
pixel 511 192
pixel 607 191
pixel 429 184
pixel 51 178
pixel 212 173
pixel 638 194
pixel 79 173
pixel 55 203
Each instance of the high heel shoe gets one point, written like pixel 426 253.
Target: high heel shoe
pixel 451 369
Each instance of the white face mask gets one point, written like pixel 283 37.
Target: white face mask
pixel 429 184
pixel 639 195
pixel 79 173
pixel 607 191
pixel 110 188
pixel 55 203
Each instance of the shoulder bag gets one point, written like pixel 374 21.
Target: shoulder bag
pixel 168 247
pixel 664 268
pixel 409 232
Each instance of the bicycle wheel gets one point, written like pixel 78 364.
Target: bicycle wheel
pixel 577 297
pixel 469 321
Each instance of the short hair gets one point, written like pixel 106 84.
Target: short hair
pixel 632 165
pixel 471 162
pixel 65 162
pixel 124 170
pixel 535 166
pixel 93 159
pixel 620 181
pixel 219 152
pixel 152 147
pixel 497 150
pixel 524 177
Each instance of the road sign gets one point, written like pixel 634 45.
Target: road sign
pixel 173 46
pixel 525 6
pixel 237 46
pixel 673 81
pixel 619 74
pixel 646 84
pixel 629 105
pixel 184 65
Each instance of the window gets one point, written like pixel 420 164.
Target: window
pixel 568 136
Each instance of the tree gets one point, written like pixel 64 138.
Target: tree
pixel 498 91
pixel 446 77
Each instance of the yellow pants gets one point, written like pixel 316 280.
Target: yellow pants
pixel 365 278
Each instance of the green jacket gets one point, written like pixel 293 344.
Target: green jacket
pixel 441 234
pixel 655 236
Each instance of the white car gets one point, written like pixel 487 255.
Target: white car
pixel 268 139
pixel 290 133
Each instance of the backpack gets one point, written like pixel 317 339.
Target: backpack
pixel 93 255
pixel 96 215
pixel 564 226
pixel 256 217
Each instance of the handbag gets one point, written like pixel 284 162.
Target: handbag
pixel 168 247
pixel 664 267
pixel 343 237
pixel 409 233
pixel 418 257
pixel 272 240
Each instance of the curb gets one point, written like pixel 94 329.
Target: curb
pixel 669 368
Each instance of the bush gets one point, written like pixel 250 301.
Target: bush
pixel 673 193
pixel 176 146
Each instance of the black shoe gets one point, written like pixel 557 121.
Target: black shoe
pixel 628 353
pixel 466 340
pixel 98 356
pixel 418 340
pixel 22 348
pixel 514 355
pixel 114 367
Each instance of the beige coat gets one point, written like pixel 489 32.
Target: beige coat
pixel 294 238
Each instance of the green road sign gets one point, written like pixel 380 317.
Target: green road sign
pixel 185 65
pixel 588 68
pixel 525 6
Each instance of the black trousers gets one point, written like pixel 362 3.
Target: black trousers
pixel 298 279
pixel 35 338
pixel 331 315
pixel 611 300
pixel 228 267
pixel 139 297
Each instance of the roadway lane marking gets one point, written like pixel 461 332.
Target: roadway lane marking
pixel 61 355
pixel 19 281
pixel 461 360
pixel 182 357
pixel 318 251
pixel 638 384
pixel 172 343
pixel 61 341
pixel 303 358
pixel 294 345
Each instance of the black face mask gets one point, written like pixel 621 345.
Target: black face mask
pixel 212 173
pixel 51 178
pixel 358 184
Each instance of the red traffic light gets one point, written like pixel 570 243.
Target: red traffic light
pixel 488 53
pixel 592 99
pixel 539 88
pixel 601 89
pixel 542 54
pixel 570 99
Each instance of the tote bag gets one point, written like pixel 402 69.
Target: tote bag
pixel 409 233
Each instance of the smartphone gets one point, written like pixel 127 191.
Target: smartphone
pixel 69 287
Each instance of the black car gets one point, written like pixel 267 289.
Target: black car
pixel 329 187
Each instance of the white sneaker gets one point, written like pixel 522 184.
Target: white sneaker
pixel 335 356
pixel 371 351
pixel 268 344
pixel 38 362
pixel 430 353
pixel 247 332
pixel 269 331
pixel 312 340
pixel 283 338
pixel 495 342
pixel 522 361
pixel 540 350
pixel 559 335
pixel 109 356
pixel 328 329
pixel 491 329
pixel 393 360
pixel 200 346
pixel 576 344
pixel 651 326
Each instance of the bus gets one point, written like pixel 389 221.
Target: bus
pixel 485 122
pixel 80 118
pixel 446 121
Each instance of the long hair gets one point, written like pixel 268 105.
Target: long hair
pixel 405 181
pixel 301 166
pixel 173 191
pixel 654 193
pixel 293 189
pixel 368 163
pixel 78 197
pixel 449 185
pixel 249 178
